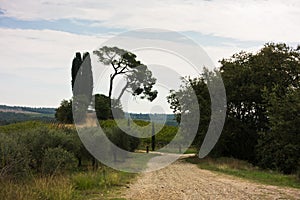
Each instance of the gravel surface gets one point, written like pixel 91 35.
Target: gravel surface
pixel 182 180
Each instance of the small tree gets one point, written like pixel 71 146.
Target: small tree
pixel 63 113
pixel 138 78
pixel 57 160
pixel 103 110
pixel 77 61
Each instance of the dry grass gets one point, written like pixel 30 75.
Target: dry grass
pixel 55 188
pixel 97 184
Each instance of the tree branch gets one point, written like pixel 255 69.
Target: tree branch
pixel 122 91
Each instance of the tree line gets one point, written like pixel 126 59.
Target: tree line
pixel 263 106
pixel 263 102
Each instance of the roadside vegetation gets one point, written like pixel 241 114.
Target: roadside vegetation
pixel 245 170
pixel 44 161
pixel 263 104
pixel 48 161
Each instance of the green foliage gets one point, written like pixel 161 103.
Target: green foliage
pixel 101 104
pixel 163 137
pixel 279 148
pixel 104 110
pixel 38 148
pixel 102 178
pixel 298 173
pixel 139 80
pixel 77 61
pixel 263 104
pixel 102 107
pixel 11 117
pixel 122 139
pixel 21 126
pixel 180 103
pixel 14 162
pixel 57 160
pixel 82 72
pixel 248 78
pixel 88 181
pixel 38 161
pixel 64 112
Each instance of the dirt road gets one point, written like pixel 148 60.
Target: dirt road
pixel 183 180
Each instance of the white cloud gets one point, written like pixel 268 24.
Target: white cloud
pixel 41 49
pixel 38 63
pixel 217 53
pixel 269 20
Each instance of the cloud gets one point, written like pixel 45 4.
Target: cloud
pixel 41 48
pixel 37 63
pixel 253 20
pixel 217 53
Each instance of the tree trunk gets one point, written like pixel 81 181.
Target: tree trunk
pixel 122 92
pixel 153 138
pixel 110 87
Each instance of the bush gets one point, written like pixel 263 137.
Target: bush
pixel 123 140
pixel 277 155
pixel 13 158
pixel 63 113
pixel 57 160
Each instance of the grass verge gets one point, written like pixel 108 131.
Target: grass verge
pixel 103 183
pixel 245 170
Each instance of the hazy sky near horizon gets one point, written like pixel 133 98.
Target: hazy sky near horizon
pixel 39 38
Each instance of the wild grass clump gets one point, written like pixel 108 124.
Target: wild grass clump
pixel 102 178
pixel 54 188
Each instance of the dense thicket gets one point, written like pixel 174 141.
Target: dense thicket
pixel 262 107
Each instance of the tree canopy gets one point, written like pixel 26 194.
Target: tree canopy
pixel 262 107
pixel 138 77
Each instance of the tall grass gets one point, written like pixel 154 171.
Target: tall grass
pixel 55 188
pixel 79 185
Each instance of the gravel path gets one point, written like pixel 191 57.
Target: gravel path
pixel 182 180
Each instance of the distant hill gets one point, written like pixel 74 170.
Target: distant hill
pixel 20 109
pixel 170 118
pixel 13 114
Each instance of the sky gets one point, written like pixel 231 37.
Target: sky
pixel 40 38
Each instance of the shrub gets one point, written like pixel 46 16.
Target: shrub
pixel 57 160
pixel 277 155
pixel 13 158
pixel 123 140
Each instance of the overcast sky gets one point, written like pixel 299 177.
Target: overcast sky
pixel 39 38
